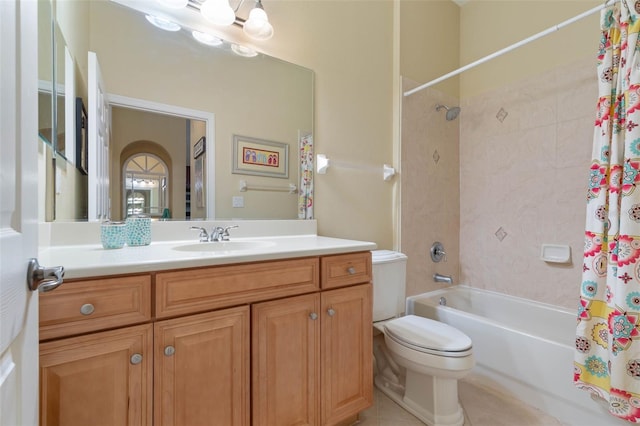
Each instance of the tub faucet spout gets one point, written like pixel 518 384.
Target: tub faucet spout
pixel 442 278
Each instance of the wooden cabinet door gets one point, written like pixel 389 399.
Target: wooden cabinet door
pixel 347 353
pixel 201 369
pixel 285 361
pixel 99 379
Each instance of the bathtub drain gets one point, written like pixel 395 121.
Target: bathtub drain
pixel 443 301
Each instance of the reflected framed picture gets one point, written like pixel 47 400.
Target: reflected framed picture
pixel 199 182
pixel 260 157
pixel 82 138
pixel 199 147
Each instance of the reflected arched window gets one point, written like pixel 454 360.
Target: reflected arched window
pixel 146 186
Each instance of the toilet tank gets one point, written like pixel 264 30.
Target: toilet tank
pixel 389 276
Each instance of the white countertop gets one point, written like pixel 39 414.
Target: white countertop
pixel 91 260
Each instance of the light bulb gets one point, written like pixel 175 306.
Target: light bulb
pixel 218 12
pixel 258 26
pixel 174 4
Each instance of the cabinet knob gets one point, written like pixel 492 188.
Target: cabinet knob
pixel 87 309
pixel 136 359
pixel 169 350
pixel 331 312
pixel 313 316
pixel 351 270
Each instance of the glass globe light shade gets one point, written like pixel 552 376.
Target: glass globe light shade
pixel 258 26
pixel 218 12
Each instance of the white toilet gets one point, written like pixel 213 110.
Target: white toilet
pixel 418 361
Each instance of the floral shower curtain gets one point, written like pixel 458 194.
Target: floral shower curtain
pixel 305 193
pixel 607 357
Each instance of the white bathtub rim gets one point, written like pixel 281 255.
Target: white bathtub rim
pixel 523 300
pixel 410 310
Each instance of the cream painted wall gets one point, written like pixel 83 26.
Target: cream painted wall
pixel 430 42
pixel 349 45
pixel 487 26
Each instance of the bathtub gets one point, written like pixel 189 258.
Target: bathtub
pixel 522 348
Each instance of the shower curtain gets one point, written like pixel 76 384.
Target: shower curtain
pixel 607 357
pixel 305 193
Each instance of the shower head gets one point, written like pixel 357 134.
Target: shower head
pixel 452 112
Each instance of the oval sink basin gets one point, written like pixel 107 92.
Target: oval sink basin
pixel 225 246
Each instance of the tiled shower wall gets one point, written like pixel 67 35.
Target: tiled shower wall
pixel 510 178
pixel 430 197
pixel 524 158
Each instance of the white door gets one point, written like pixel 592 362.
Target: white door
pixel 18 212
pixel 99 118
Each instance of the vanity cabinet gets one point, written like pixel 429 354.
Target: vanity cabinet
pixel 261 343
pixel 201 371
pixel 101 379
pixel 312 358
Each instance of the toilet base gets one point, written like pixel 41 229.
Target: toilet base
pixel 432 400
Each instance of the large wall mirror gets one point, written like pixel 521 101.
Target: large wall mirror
pixel 178 101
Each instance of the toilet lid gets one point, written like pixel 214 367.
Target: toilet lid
pixel 427 335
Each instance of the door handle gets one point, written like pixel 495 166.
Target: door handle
pixel 43 279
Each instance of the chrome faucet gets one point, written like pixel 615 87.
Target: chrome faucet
pixel 442 278
pixel 221 234
pixel 217 234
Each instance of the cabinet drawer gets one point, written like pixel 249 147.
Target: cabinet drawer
pixel 345 269
pixel 197 290
pixel 83 306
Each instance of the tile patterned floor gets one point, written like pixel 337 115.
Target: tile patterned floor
pixel 482 407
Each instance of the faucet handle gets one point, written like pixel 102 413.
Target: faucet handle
pixel 204 237
pixel 225 232
pixel 437 252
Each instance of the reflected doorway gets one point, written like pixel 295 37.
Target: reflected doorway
pixel 146 186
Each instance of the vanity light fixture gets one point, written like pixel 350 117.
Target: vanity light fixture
pixel 218 12
pixel 208 39
pixel 162 23
pixel 258 26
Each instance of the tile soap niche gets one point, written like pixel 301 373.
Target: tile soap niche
pixel 555 253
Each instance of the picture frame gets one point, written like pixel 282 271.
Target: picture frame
pixel 82 138
pixel 199 182
pixel 260 157
pixel 199 147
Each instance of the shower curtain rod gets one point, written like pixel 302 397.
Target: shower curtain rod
pixel 512 47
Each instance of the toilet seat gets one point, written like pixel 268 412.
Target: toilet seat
pixel 428 336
